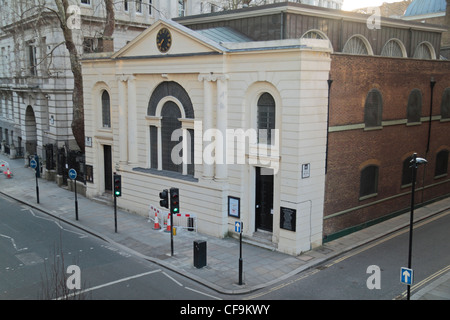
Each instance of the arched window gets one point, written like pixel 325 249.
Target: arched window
pixel 424 51
pixel 266 118
pixel 314 34
pixel 441 163
pixel 414 108
pixel 357 45
pixel 106 110
pixel 170 114
pixel 171 117
pixel 445 104
pixel 373 109
pixel 369 181
pixel 394 48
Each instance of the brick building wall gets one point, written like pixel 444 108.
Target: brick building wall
pixel 352 146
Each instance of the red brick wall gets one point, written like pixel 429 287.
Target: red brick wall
pixel 349 151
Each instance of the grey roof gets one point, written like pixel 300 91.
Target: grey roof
pixel 419 7
pixel 224 34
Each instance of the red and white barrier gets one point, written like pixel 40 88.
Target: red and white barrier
pixel 161 219
pixel 4 167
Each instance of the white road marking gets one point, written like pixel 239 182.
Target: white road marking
pixel 178 283
pixel 205 294
pixel 194 290
pixel 13 242
pixel 58 224
pixel 108 284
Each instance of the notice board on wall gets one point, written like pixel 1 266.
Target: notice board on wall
pixel 288 218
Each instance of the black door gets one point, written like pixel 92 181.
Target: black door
pixel 264 199
pixel 108 167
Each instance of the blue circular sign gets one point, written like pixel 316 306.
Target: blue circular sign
pixel 72 174
pixel 33 164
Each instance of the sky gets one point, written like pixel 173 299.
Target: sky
pixel 355 4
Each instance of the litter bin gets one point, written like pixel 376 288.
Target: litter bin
pixel 199 253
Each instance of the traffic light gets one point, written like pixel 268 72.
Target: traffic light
pixel 117 185
pixel 174 201
pixel 164 198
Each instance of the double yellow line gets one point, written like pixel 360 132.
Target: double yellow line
pixel 362 249
pixel 424 281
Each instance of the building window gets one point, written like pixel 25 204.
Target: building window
pixel 445 104
pixel 441 163
pixel 139 6
pixel 369 181
pixel 150 7
pixel 170 114
pixel 407 172
pixel 373 109
pixel 87 2
pixel 171 117
pixel 394 48
pixel 106 110
pixel 414 108
pixel 181 8
pixel 125 5
pixel 32 60
pixel 357 45
pixel 314 34
pixel 424 51
pixel 90 45
pixel 265 118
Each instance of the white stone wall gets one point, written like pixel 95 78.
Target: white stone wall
pixel 297 79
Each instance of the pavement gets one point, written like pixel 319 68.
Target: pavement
pixel 262 266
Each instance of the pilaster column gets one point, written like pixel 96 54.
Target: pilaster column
pixel 132 121
pixel 208 167
pixel 221 125
pixel 123 120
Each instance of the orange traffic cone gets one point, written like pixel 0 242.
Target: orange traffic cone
pixel 8 174
pixel 156 226
pixel 169 227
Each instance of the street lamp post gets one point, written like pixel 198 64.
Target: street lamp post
pixel 432 84
pixel 415 161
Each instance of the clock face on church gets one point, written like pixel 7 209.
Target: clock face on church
pixel 164 40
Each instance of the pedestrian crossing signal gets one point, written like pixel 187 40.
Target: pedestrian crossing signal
pixel 164 199
pixel 174 201
pixel 117 185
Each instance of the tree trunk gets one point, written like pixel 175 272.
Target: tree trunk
pixel 110 19
pixel 77 96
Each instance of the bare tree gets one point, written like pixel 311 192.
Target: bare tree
pixel 236 4
pixel 77 96
pixel 54 279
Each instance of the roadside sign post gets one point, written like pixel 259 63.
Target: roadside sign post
pixel 35 165
pixel 73 177
pixel 238 226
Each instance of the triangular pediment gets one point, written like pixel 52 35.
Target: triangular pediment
pixel 183 41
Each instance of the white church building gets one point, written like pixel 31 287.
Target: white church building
pixel 238 126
